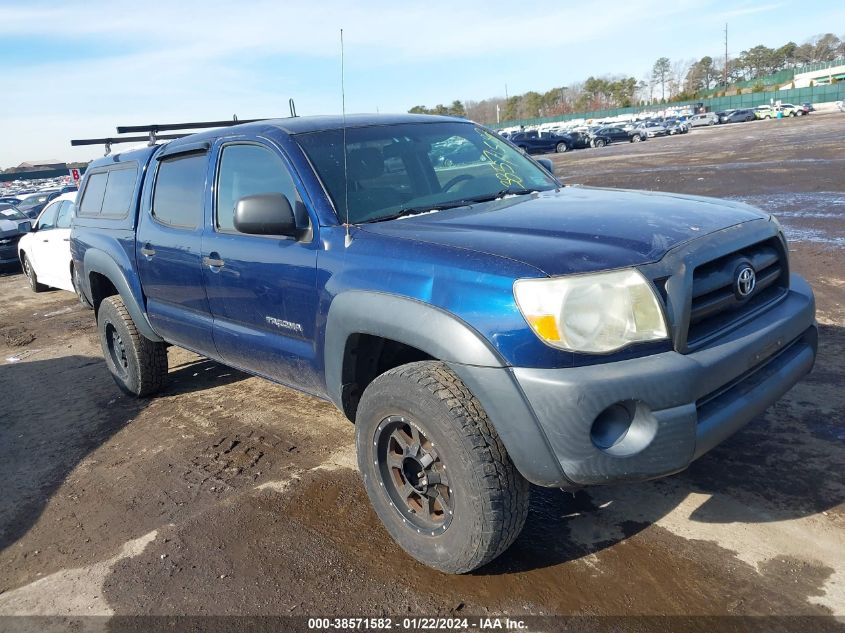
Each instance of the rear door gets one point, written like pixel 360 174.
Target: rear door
pixel 262 290
pixel 60 247
pixel 168 247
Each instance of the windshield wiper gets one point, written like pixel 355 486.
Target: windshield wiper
pixel 453 204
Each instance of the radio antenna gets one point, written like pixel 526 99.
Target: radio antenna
pixel 348 239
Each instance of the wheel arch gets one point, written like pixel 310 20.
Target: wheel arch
pixel 361 323
pixel 103 278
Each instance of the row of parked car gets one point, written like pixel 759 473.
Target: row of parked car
pixel 48 255
pixel 31 203
pixel 565 139
pixel 581 137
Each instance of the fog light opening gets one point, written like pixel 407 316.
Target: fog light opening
pixel 624 429
pixel 611 426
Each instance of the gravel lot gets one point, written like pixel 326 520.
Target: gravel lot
pixel 230 495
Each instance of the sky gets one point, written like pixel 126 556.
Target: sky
pixel 78 69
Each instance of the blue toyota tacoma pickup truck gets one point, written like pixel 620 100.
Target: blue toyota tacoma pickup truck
pixel 482 325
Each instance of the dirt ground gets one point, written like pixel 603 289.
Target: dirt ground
pixel 229 495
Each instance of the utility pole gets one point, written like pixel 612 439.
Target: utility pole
pixel 726 54
pixel 506 92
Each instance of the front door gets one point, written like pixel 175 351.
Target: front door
pixel 168 246
pixel 262 290
pixel 39 258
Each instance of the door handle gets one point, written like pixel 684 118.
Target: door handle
pixel 45 240
pixel 147 251
pixel 66 239
pixel 213 262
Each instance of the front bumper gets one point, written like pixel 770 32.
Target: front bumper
pixel 9 255
pixel 683 405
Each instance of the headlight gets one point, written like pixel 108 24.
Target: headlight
pixel 592 313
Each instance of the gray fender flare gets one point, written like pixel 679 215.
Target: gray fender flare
pixel 445 337
pixel 434 331
pixel 97 261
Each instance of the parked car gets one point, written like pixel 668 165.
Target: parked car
pixel 535 143
pixel 675 126
pixel 608 135
pixel 650 129
pixel 764 112
pixel 738 116
pixel 790 110
pixel 32 204
pixel 841 105
pixel 807 107
pixel 44 253
pixel 580 140
pixel 13 226
pixel 706 118
pixel 483 330
pixel 13 200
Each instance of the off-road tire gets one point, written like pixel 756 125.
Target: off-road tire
pixel 137 364
pixel 31 277
pixel 488 496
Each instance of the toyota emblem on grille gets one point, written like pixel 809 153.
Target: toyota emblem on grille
pixel 746 280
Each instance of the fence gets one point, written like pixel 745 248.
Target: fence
pixel 34 175
pixel 778 78
pixel 816 94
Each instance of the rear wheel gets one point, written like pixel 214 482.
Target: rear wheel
pixel 435 470
pixel 137 364
pixel 561 148
pixel 31 277
pixel 636 138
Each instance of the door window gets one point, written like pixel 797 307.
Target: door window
pixel 179 188
pixel 64 215
pixel 247 170
pixel 119 190
pixel 47 220
pixel 92 197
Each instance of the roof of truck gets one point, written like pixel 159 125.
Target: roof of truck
pixel 304 124
pixel 292 125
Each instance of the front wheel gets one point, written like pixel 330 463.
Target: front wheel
pixel 137 364
pixel 636 138
pixel 435 470
pixel 600 142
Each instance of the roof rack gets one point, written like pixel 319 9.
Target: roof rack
pixel 155 128
pixel 108 142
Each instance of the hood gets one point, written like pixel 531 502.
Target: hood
pixel 575 229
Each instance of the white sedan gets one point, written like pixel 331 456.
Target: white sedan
pixel 45 251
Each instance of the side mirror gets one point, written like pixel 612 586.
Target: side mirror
pixel 265 214
pixel 545 162
pixel 26 227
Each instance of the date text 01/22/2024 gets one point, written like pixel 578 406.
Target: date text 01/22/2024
pixel 417 624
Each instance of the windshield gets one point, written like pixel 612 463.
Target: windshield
pixel 396 170
pixel 10 213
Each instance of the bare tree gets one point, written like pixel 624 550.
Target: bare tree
pixel 661 73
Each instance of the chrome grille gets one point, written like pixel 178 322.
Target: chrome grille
pixel 716 303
